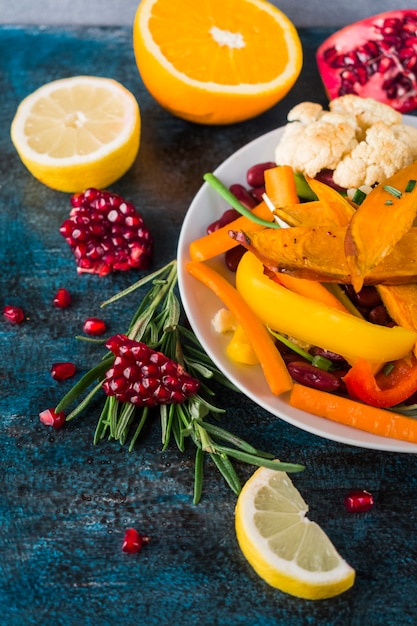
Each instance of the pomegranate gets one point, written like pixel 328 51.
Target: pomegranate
pixel 133 541
pixel 94 326
pixel 62 298
pixel 13 314
pixel 50 418
pixel 373 58
pixel 106 233
pixel 145 377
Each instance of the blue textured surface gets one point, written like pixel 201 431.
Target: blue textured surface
pixel 64 503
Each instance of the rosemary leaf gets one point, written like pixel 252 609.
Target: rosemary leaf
pixel 227 470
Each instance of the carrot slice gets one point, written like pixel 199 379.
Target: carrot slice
pixel 352 413
pixel 273 366
pixel 219 241
pixel 280 186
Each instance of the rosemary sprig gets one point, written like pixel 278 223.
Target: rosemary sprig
pixel 156 322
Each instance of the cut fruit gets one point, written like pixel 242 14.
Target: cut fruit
pixel 221 62
pixel 78 132
pixel 373 58
pixel 285 548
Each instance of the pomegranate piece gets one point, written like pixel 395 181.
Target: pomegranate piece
pixel 106 233
pixel 94 326
pixel 133 541
pixel 62 371
pixel 50 418
pixel 62 298
pixel 373 58
pixel 13 314
pixel 359 501
pixel 144 377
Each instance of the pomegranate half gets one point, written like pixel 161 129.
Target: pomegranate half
pixel 373 58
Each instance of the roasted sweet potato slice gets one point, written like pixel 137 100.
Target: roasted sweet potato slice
pixel 318 254
pixel 336 207
pixel 401 303
pixel 306 214
pixel 380 222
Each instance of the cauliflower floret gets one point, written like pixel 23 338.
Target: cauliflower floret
pixel 383 152
pixel 320 144
pixel 305 112
pixel 366 111
pixel 224 321
pixel 362 140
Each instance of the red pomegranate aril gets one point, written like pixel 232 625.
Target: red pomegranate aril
pixel 358 501
pixel 13 314
pixel 94 326
pixel 62 298
pixel 62 371
pixel 50 418
pixel 133 541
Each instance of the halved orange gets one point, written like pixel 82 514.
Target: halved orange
pixel 216 61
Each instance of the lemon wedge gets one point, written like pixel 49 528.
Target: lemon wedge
pixel 285 548
pixel 78 132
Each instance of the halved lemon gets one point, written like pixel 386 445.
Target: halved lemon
pixel 284 547
pixel 216 62
pixel 78 132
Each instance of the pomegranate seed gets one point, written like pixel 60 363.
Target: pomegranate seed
pixel 62 298
pixel 50 418
pixel 359 501
pixel 105 233
pixel 94 326
pixel 62 371
pixel 133 541
pixel 13 314
pixel 145 377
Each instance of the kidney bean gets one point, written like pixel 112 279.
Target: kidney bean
pixel 332 356
pixel 227 217
pixel 312 376
pixel 379 315
pixel 255 174
pixel 367 297
pixel 233 256
pixel 257 193
pixel 243 195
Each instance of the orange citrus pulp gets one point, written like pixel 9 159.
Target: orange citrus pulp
pixel 216 61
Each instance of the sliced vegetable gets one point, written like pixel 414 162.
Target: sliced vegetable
pixel 310 288
pixel 335 206
pixel 239 348
pixel 318 254
pixel 382 390
pixel 280 186
pixel 401 303
pixel 305 214
pixel 352 413
pixel 318 324
pixel 377 227
pixel 219 241
pixel 273 366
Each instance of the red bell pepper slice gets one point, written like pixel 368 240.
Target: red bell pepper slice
pixel 382 390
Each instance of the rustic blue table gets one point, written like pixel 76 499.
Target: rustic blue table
pixel 65 503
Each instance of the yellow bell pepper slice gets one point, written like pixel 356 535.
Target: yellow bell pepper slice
pixel 239 348
pixel 317 324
